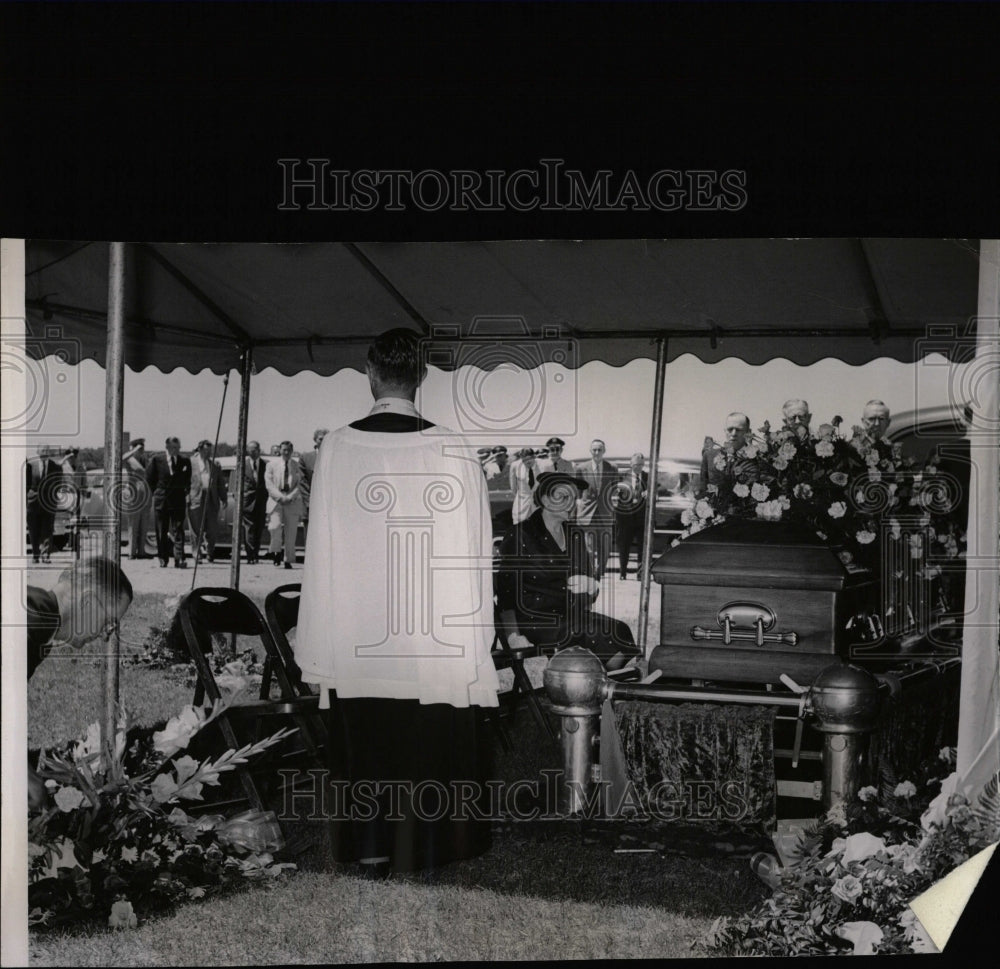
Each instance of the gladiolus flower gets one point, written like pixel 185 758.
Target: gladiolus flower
pixel 177 734
pixel 703 509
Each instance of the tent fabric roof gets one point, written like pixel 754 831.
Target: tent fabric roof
pixel 316 307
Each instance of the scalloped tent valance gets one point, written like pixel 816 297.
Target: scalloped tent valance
pixel 316 307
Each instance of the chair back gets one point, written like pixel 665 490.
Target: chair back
pixel 222 610
pixel 281 607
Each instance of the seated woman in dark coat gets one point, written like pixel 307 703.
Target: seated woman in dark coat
pixel 546 586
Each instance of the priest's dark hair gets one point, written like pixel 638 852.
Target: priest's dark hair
pixel 395 359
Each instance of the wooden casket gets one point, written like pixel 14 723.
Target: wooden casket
pixel 746 601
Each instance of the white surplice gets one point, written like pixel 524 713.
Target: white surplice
pixel 397 587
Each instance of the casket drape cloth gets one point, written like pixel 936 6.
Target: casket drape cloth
pixel 397 588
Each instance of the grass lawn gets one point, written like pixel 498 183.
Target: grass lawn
pixel 545 890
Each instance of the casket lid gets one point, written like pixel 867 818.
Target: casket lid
pixel 753 553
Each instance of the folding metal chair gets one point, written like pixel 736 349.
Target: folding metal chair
pixel 222 610
pixel 504 657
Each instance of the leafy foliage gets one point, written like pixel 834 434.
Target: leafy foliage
pixel 114 843
pixel 857 869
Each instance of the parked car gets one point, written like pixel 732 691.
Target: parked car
pixel 677 480
pixel 922 431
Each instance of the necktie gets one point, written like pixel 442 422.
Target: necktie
pixel 531 477
pixel 286 476
pixel 170 464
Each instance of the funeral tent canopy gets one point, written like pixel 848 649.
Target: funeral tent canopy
pixel 315 307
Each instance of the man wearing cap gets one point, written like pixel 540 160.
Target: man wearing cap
pixel 307 463
pixel 555 461
pixel 498 470
pixel 168 477
pixel 546 582
pixel 522 482
pixel 208 495
pixel 137 516
pixel 596 510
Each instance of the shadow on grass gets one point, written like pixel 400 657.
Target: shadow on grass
pixel 694 870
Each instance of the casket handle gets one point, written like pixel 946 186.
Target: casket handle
pixel 745 622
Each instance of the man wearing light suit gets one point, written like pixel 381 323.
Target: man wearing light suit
pixel 207 497
pixel 283 478
pixel 595 509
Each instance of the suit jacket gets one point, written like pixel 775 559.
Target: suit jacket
pixel 631 501
pixel 596 502
pixel 42 480
pixel 254 485
pixel 520 482
pixel 169 490
pixel 216 492
pixel 273 478
pixel 307 464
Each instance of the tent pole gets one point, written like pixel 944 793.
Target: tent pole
pixel 654 460
pixel 246 366
pixel 113 477
pixel 978 754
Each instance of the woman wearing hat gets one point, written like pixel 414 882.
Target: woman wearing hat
pixel 546 585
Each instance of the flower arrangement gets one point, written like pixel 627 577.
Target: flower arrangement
pixel 850 887
pixel 853 492
pixel 114 842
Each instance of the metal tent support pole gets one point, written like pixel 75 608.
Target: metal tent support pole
pixel 650 523
pixel 246 366
pixel 113 477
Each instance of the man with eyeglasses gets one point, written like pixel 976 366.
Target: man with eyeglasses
pixel 87 601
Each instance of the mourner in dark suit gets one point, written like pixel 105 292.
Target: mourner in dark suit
pixel 546 583
pixel 254 502
pixel 596 511
pixel 169 480
pixel 42 480
pixel 630 512
pixel 723 463
pixel 307 465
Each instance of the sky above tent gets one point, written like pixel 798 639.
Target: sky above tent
pixel 504 405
